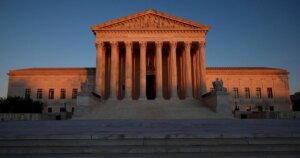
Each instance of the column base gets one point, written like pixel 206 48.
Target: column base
pixel 142 98
pixel 112 98
pixel 159 98
pixel 189 98
pixel 174 99
pixel 127 98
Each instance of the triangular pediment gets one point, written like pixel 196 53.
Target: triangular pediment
pixel 150 20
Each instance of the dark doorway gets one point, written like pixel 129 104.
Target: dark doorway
pixel 150 86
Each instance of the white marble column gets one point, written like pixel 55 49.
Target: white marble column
pixel 99 67
pixel 114 70
pixel 198 72
pixel 103 73
pixel 159 69
pixel 174 94
pixel 143 47
pixel 195 81
pixel 128 71
pixel 188 66
pixel 202 68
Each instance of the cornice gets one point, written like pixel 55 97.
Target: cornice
pixel 245 71
pixel 91 71
pixel 151 31
pixel 51 71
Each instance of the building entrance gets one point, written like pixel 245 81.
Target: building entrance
pixel 150 86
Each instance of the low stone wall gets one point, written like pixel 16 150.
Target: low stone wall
pixel 34 117
pixel 19 116
pixel 268 115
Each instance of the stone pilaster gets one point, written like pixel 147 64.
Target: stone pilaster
pixel 128 71
pixel 202 68
pixel 173 76
pixel 159 69
pixel 114 70
pixel 188 70
pixel 143 47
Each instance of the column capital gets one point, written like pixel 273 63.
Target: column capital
pixel 158 44
pixel 99 44
pixel 202 43
pixel 114 43
pixel 173 43
pixel 187 43
pixel 128 44
pixel 143 44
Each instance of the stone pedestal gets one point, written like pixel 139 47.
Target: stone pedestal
pixel 83 100
pixel 223 106
pixel 218 102
pixel 85 103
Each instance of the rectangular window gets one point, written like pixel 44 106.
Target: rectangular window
pixel 271 108
pixel 74 93
pixel 39 94
pixel 62 110
pixel 27 93
pixel 63 93
pixel 259 108
pixel 248 108
pixel 235 92
pixel 225 89
pixel 270 93
pixel 49 110
pixel 51 93
pixel 247 92
pixel 258 92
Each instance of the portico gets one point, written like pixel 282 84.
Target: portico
pixel 149 69
pixel 150 55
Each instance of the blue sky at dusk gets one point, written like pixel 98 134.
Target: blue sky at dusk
pixel 56 33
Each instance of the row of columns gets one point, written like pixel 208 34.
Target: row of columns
pixel 100 69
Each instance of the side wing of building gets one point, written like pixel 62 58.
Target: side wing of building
pixel 57 88
pixel 253 88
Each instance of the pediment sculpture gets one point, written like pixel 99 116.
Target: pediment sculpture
pixel 150 22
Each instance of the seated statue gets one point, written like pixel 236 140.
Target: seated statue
pixel 84 88
pixel 218 85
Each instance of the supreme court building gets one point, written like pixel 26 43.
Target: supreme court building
pixel 150 65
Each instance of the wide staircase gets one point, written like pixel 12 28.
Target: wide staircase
pixel 120 146
pixel 147 109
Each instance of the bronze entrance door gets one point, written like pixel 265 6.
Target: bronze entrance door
pixel 150 87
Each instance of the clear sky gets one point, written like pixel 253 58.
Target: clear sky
pixel 56 33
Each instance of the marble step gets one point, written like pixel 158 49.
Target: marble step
pixel 148 149
pixel 146 142
pixel 165 155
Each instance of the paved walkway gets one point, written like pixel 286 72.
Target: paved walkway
pixel 111 129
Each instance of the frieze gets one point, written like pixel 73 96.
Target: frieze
pixel 151 31
pixel 146 34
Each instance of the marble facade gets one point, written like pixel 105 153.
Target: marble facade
pixel 154 58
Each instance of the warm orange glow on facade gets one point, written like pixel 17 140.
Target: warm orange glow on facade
pixel 151 55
